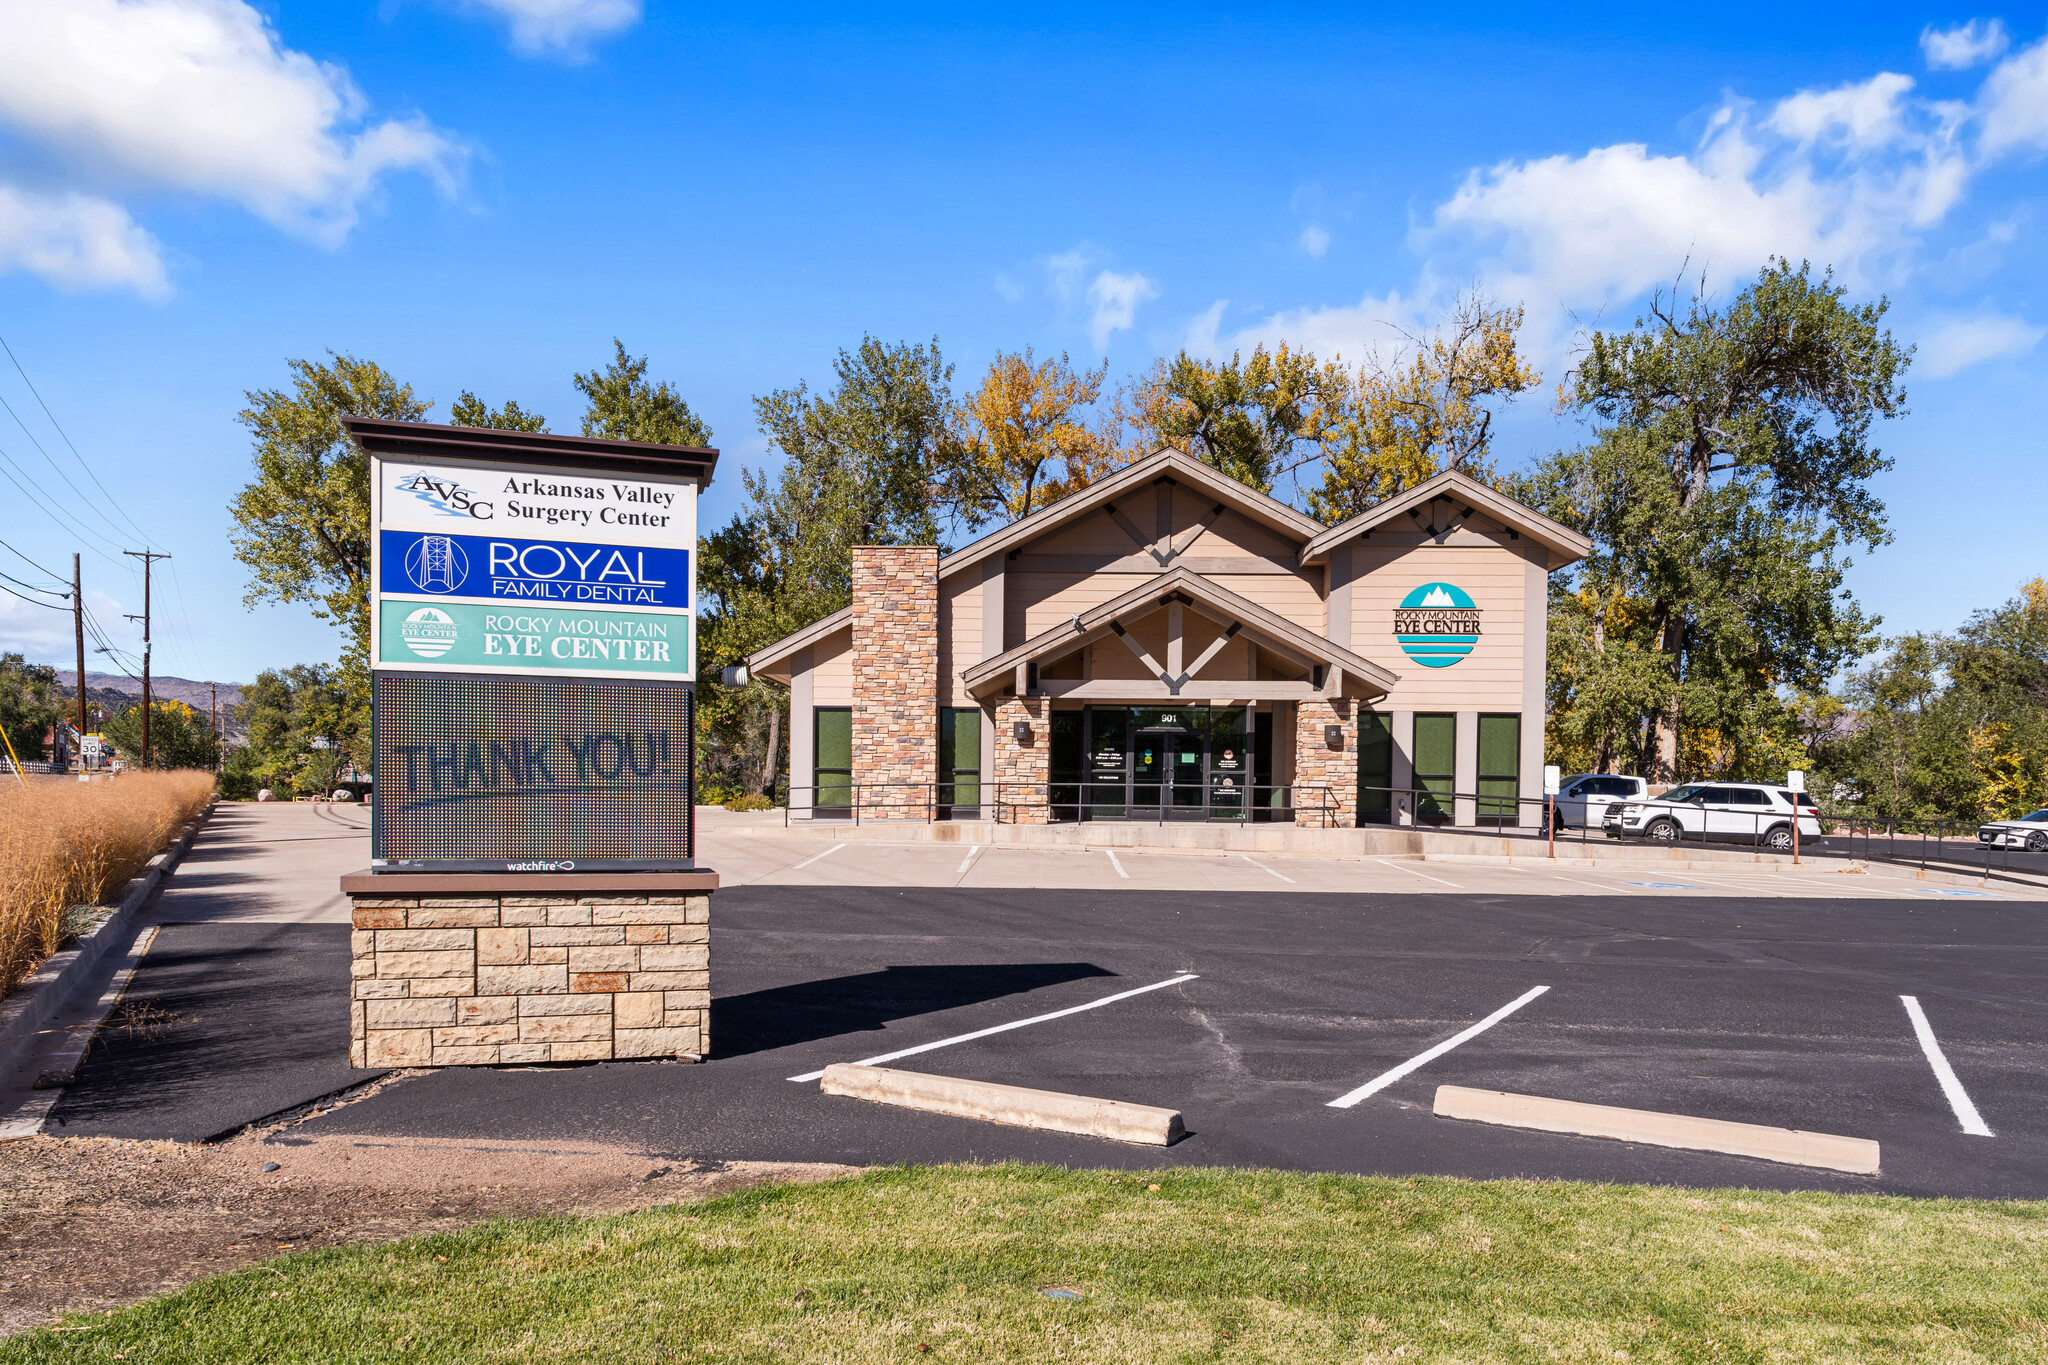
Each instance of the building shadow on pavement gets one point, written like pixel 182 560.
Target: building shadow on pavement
pixel 761 1021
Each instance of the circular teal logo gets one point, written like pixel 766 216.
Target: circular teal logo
pixel 1437 624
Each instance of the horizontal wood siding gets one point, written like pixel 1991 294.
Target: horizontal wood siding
pixel 959 633
pixel 1487 679
pixel 832 670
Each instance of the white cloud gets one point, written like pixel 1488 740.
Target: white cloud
pixel 1080 282
pixel 1315 240
pixel 563 27
pixel 200 96
pixel 2014 102
pixel 1350 332
pixel 1114 299
pixel 1956 344
pixel 1866 114
pixel 1965 45
pixel 44 636
pixel 77 242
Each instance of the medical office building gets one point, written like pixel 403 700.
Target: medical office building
pixel 1169 644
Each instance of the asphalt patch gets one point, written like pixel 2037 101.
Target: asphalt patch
pixel 223 1024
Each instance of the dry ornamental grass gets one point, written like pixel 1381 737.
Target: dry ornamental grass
pixel 66 844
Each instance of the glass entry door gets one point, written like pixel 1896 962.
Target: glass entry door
pixel 1167 769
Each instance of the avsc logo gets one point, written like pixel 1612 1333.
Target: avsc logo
pixel 429 632
pixel 436 564
pixel 447 497
pixel 1437 624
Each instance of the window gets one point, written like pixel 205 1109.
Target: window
pixel 1436 766
pixel 1500 769
pixel 1747 796
pixel 832 757
pixel 1375 768
pixel 959 761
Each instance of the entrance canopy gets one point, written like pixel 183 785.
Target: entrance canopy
pixel 1299 664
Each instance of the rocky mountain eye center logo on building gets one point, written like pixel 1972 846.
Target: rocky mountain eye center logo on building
pixel 1437 624
pixel 429 632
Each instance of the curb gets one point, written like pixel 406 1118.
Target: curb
pixel 1011 1104
pixel 43 993
pixel 1792 1146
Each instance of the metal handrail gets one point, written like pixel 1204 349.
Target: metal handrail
pixel 1006 799
pixel 1325 807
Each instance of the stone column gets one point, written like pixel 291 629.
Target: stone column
pixel 895 677
pixel 1317 763
pixel 1023 768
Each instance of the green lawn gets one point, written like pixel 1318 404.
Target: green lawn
pixel 950 1263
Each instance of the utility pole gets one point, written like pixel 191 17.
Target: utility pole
pixel 78 625
pixel 213 721
pixel 148 558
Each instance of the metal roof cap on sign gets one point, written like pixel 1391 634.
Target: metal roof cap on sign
pixel 389 439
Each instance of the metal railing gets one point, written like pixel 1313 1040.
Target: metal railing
pixel 1014 802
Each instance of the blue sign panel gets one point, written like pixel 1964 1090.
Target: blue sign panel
pixel 563 571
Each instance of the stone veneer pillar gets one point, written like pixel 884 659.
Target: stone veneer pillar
pixel 512 969
pixel 1022 769
pixel 1316 764
pixel 895 677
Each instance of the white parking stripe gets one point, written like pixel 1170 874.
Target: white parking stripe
pixel 968 861
pixel 1416 1063
pixel 1958 1098
pixel 1610 890
pixel 1116 864
pixel 1424 875
pixel 1263 868
pixel 1005 1028
pixel 815 856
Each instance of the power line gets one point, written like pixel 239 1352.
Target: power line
pixel 67 441
pixel 37 497
pixel 33 588
pixel 26 560
pixel 26 598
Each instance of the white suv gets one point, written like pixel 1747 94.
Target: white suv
pixel 1582 801
pixel 1741 812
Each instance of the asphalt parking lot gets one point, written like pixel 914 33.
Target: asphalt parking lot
pixel 1690 995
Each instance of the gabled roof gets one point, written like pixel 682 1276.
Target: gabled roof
pixel 1211 599
pixel 769 655
pixel 1565 545
pixel 1140 474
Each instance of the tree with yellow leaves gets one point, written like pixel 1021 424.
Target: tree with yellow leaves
pixel 1021 440
pixel 1255 418
pixel 1411 420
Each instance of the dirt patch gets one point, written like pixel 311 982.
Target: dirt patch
pixel 94 1223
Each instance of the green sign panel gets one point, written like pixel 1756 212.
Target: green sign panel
pixel 520 639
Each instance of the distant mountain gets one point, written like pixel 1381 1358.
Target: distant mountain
pixel 117 691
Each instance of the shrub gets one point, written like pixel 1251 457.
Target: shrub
pixel 750 803
pixel 65 844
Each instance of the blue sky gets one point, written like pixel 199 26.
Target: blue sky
pixel 480 194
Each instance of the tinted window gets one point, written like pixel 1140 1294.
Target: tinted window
pixel 1713 796
pixel 2041 815
pixel 1687 793
pixel 1799 799
pixel 1747 796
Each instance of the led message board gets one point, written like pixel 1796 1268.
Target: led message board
pixel 533 650
pixel 530 774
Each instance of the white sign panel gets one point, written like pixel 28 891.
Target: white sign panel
pixel 521 570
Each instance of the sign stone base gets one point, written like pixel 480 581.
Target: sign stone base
pixel 453 969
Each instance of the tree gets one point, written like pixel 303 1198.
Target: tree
pixel 624 407
pixel 861 466
pixel 1022 441
pixel 282 713
pixel 31 701
pixel 1950 726
pixel 302 526
pixel 471 411
pixel 1256 420
pixel 1729 470
pixel 179 737
pixel 1410 420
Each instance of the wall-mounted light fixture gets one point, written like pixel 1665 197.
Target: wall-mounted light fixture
pixel 1333 735
pixel 1021 732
